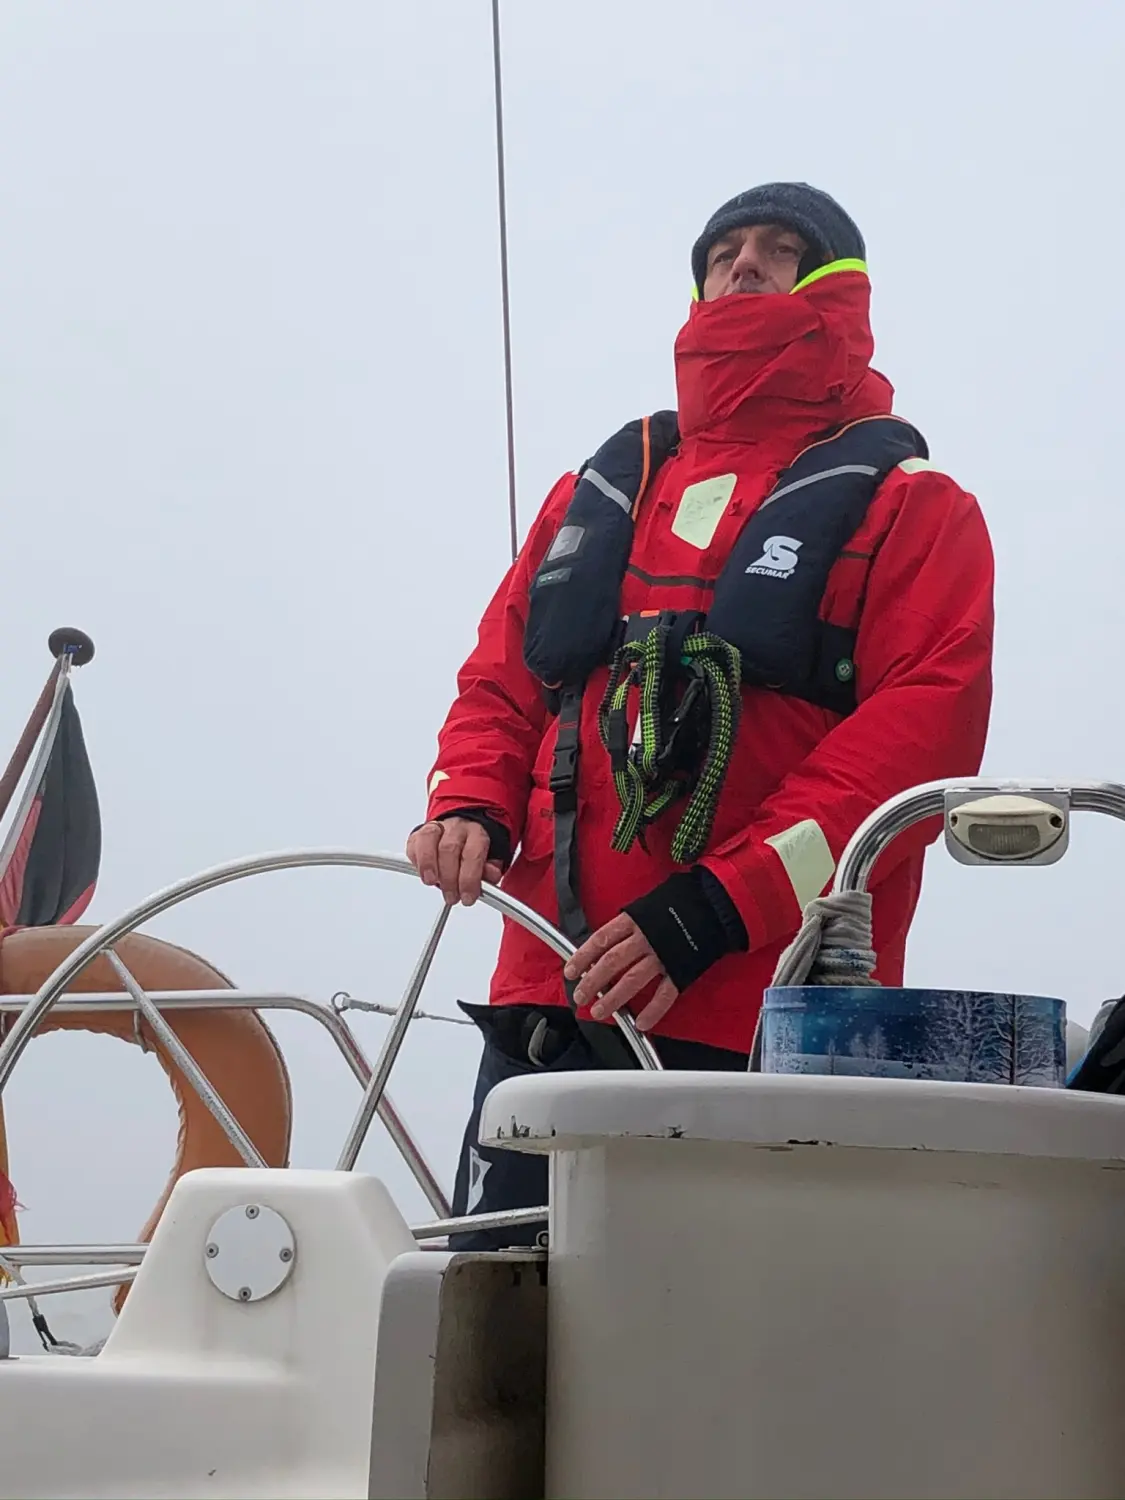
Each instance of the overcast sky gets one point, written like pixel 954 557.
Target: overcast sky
pixel 253 441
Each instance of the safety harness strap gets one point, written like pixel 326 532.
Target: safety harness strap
pixel 605 1042
pixel 564 788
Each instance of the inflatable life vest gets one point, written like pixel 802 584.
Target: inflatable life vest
pixel 766 604
pixel 792 539
pixel 234 1048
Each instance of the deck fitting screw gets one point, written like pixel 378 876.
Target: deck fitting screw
pixel 211 1251
pixel 244 1294
pixel 252 1210
pixel 285 1254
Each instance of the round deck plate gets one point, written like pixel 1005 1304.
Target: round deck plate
pixel 249 1253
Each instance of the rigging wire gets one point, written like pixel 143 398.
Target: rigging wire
pixel 505 302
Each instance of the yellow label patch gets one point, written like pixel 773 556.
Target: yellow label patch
pixel 701 508
pixel 436 780
pixel 804 852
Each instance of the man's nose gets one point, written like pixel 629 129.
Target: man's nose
pixel 747 264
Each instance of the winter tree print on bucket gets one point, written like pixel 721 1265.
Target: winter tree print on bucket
pixel 951 1036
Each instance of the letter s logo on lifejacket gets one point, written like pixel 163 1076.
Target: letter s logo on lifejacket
pixel 779 557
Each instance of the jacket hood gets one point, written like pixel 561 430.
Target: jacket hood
pixel 777 371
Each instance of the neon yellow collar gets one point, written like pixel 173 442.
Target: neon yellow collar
pixel 830 269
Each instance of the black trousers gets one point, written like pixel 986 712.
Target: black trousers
pixel 523 1039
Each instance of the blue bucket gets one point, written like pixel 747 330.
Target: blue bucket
pixel 953 1036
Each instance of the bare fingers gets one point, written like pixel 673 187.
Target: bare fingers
pixel 658 1007
pixel 637 977
pixel 453 855
pixel 599 970
pixel 597 945
pixel 421 851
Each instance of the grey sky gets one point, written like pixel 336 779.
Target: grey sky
pixel 253 437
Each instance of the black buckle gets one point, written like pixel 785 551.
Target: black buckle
pixel 564 763
pixel 564 768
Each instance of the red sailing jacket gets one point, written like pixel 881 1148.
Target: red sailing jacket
pixel 758 379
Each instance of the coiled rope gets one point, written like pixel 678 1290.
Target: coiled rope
pixel 646 775
pixel 834 944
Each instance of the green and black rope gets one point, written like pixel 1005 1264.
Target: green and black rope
pixel 646 784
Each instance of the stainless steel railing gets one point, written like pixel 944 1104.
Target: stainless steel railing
pixel 878 832
pixel 30 1011
pixel 328 1017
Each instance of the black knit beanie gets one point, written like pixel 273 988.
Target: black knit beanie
pixel 817 218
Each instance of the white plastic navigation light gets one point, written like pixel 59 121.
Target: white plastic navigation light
pixel 1010 828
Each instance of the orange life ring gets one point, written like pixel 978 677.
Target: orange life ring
pixel 234 1048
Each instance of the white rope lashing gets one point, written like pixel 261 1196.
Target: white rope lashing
pixel 834 944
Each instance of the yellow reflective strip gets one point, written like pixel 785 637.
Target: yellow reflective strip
pixel 917 466
pixel 804 852
pixel 695 294
pixel 830 270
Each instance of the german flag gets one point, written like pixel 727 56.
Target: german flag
pixel 55 852
pixel 51 854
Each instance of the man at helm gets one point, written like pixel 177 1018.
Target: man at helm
pixel 727 639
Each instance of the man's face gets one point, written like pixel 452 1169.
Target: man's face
pixel 760 258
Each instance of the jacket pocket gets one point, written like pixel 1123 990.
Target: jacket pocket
pixel 537 844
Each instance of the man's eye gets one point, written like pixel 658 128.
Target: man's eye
pixel 721 256
pixel 790 250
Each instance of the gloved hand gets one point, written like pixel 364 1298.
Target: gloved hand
pixel 668 937
pixel 690 923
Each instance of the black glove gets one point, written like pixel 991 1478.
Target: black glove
pixel 690 923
